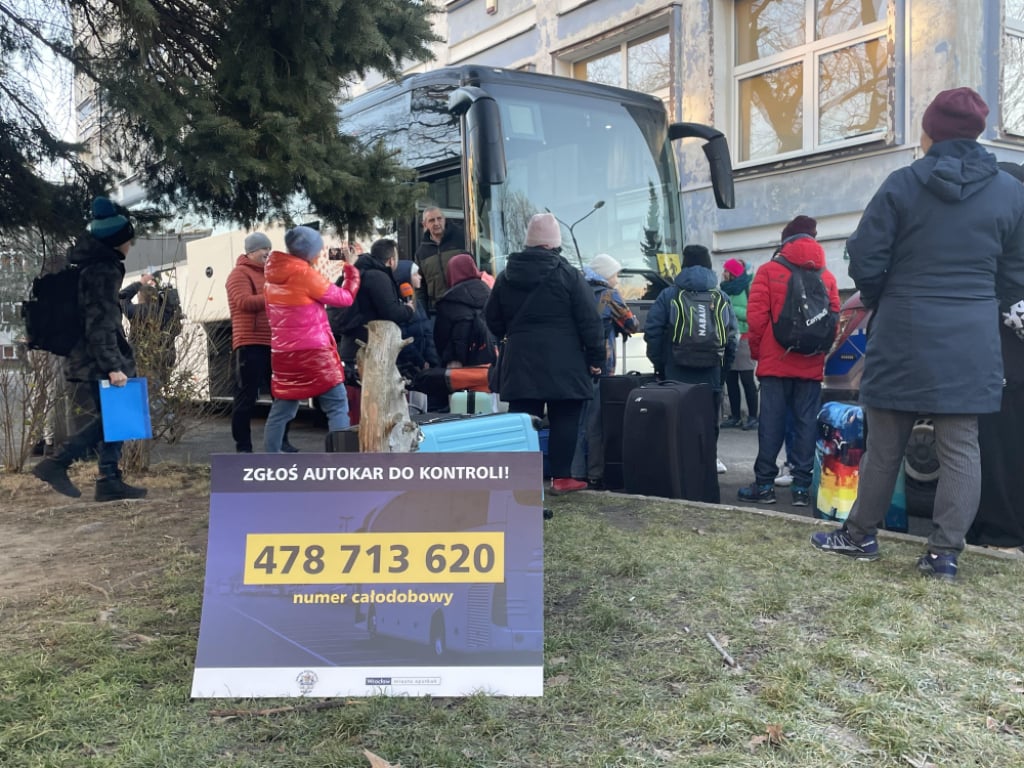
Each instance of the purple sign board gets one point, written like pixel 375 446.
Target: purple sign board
pixel 347 574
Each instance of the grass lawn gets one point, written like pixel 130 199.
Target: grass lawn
pixel 834 663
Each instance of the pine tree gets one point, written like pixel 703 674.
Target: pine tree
pixel 227 108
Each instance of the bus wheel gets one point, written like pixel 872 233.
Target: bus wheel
pixel 437 640
pixel 371 622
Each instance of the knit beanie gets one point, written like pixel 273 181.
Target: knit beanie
pixel 801 225
pixel 696 256
pixel 543 230
pixel 109 223
pixel 956 114
pixel 256 241
pixel 304 242
pixel 461 267
pixel 735 267
pixel 605 266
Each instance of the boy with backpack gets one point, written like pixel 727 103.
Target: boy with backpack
pixel 792 312
pixel 691 330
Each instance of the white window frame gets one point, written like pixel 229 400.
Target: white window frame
pixel 808 55
pixel 1012 27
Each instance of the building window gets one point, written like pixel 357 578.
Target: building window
pixel 810 75
pixel 1013 67
pixel 640 65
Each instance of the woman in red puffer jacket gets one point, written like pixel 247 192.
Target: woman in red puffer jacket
pixel 303 355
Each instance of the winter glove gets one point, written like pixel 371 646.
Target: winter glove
pixel 1014 319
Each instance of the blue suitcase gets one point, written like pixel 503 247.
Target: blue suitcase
pixel 498 432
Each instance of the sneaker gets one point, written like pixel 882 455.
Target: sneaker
pixel 749 424
pixel 785 477
pixel 801 496
pixel 730 423
pixel 722 469
pixel 938 566
pixel 840 542
pixel 596 484
pixel 567 485
pixel 760 493
pixel 115 489
pixel 56 475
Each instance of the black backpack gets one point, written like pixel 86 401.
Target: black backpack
pixel 52 320
pixel 699 334
pixel 807 323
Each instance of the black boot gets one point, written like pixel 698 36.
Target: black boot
pixel 114 489
pixel 56 474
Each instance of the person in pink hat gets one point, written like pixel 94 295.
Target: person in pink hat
pixel 736 277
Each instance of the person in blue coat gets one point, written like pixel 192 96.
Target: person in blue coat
pixel 937 254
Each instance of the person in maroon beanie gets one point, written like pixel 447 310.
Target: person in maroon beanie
pixel 938 255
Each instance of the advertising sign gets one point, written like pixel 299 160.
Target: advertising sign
pixel 348 574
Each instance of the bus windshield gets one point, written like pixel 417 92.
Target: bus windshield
pixel 603 167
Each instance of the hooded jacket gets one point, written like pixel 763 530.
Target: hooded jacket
pixel 418 328
pixel 457 310
pixel 616 317
pixel 378 299
pixel 303 355
pixel 767 294
pixel 556 338
pixel 658 329
pixel 248 308
pixel 938 252
pixel 103 347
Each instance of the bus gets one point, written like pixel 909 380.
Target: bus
pixel 496 146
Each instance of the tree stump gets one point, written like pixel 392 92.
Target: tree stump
pixel 384 423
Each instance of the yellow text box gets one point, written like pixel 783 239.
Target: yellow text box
pixel 375 558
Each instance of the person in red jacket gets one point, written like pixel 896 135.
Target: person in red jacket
pixel 250 338
pixel 790 381
pixel 303 355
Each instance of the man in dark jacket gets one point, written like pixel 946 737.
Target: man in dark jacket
pixel 931 248
pixel 378 299
pixel 102 352
pixel 442 239
pixel 555 341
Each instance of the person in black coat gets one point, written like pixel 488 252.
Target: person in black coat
pixel 101 354
pixel 442 239
pixel 460 316
pixel 554 341
pixel 421 354
pixel 378 299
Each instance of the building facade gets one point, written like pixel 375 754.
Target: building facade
pixel 820 99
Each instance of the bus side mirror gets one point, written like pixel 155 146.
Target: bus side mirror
pixel 484 145
pixel 716 149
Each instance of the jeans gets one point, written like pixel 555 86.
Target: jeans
pixel 959 488
pixel 588 461
pixel 333 402
pixel 564 424
pixel 90 435
pixel 799 400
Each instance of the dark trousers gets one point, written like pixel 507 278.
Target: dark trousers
pixel 800 400
pixel 564 424
pixel 733 380
pixel 252 375
pixel 90 436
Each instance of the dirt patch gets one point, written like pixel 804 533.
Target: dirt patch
pixel 55 544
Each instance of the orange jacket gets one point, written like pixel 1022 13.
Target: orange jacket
pixel 249 324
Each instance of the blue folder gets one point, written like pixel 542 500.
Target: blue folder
pixel 125 411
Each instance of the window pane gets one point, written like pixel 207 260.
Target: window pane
pixel 605 69
pixel 852 92
pixel 835 16
pixel 771 113
pixel 1015 9
pixel 767 27
pixel 647 64
pixel 1013 85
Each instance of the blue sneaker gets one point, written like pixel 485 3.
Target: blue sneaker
pixel 840 542
pixel 759 493
pixel 801 496
pixel 938 566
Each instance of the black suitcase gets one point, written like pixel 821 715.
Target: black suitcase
pixel 668 442
pixel 614 392
pixel 343 441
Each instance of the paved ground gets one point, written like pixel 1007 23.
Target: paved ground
pixel 736 448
